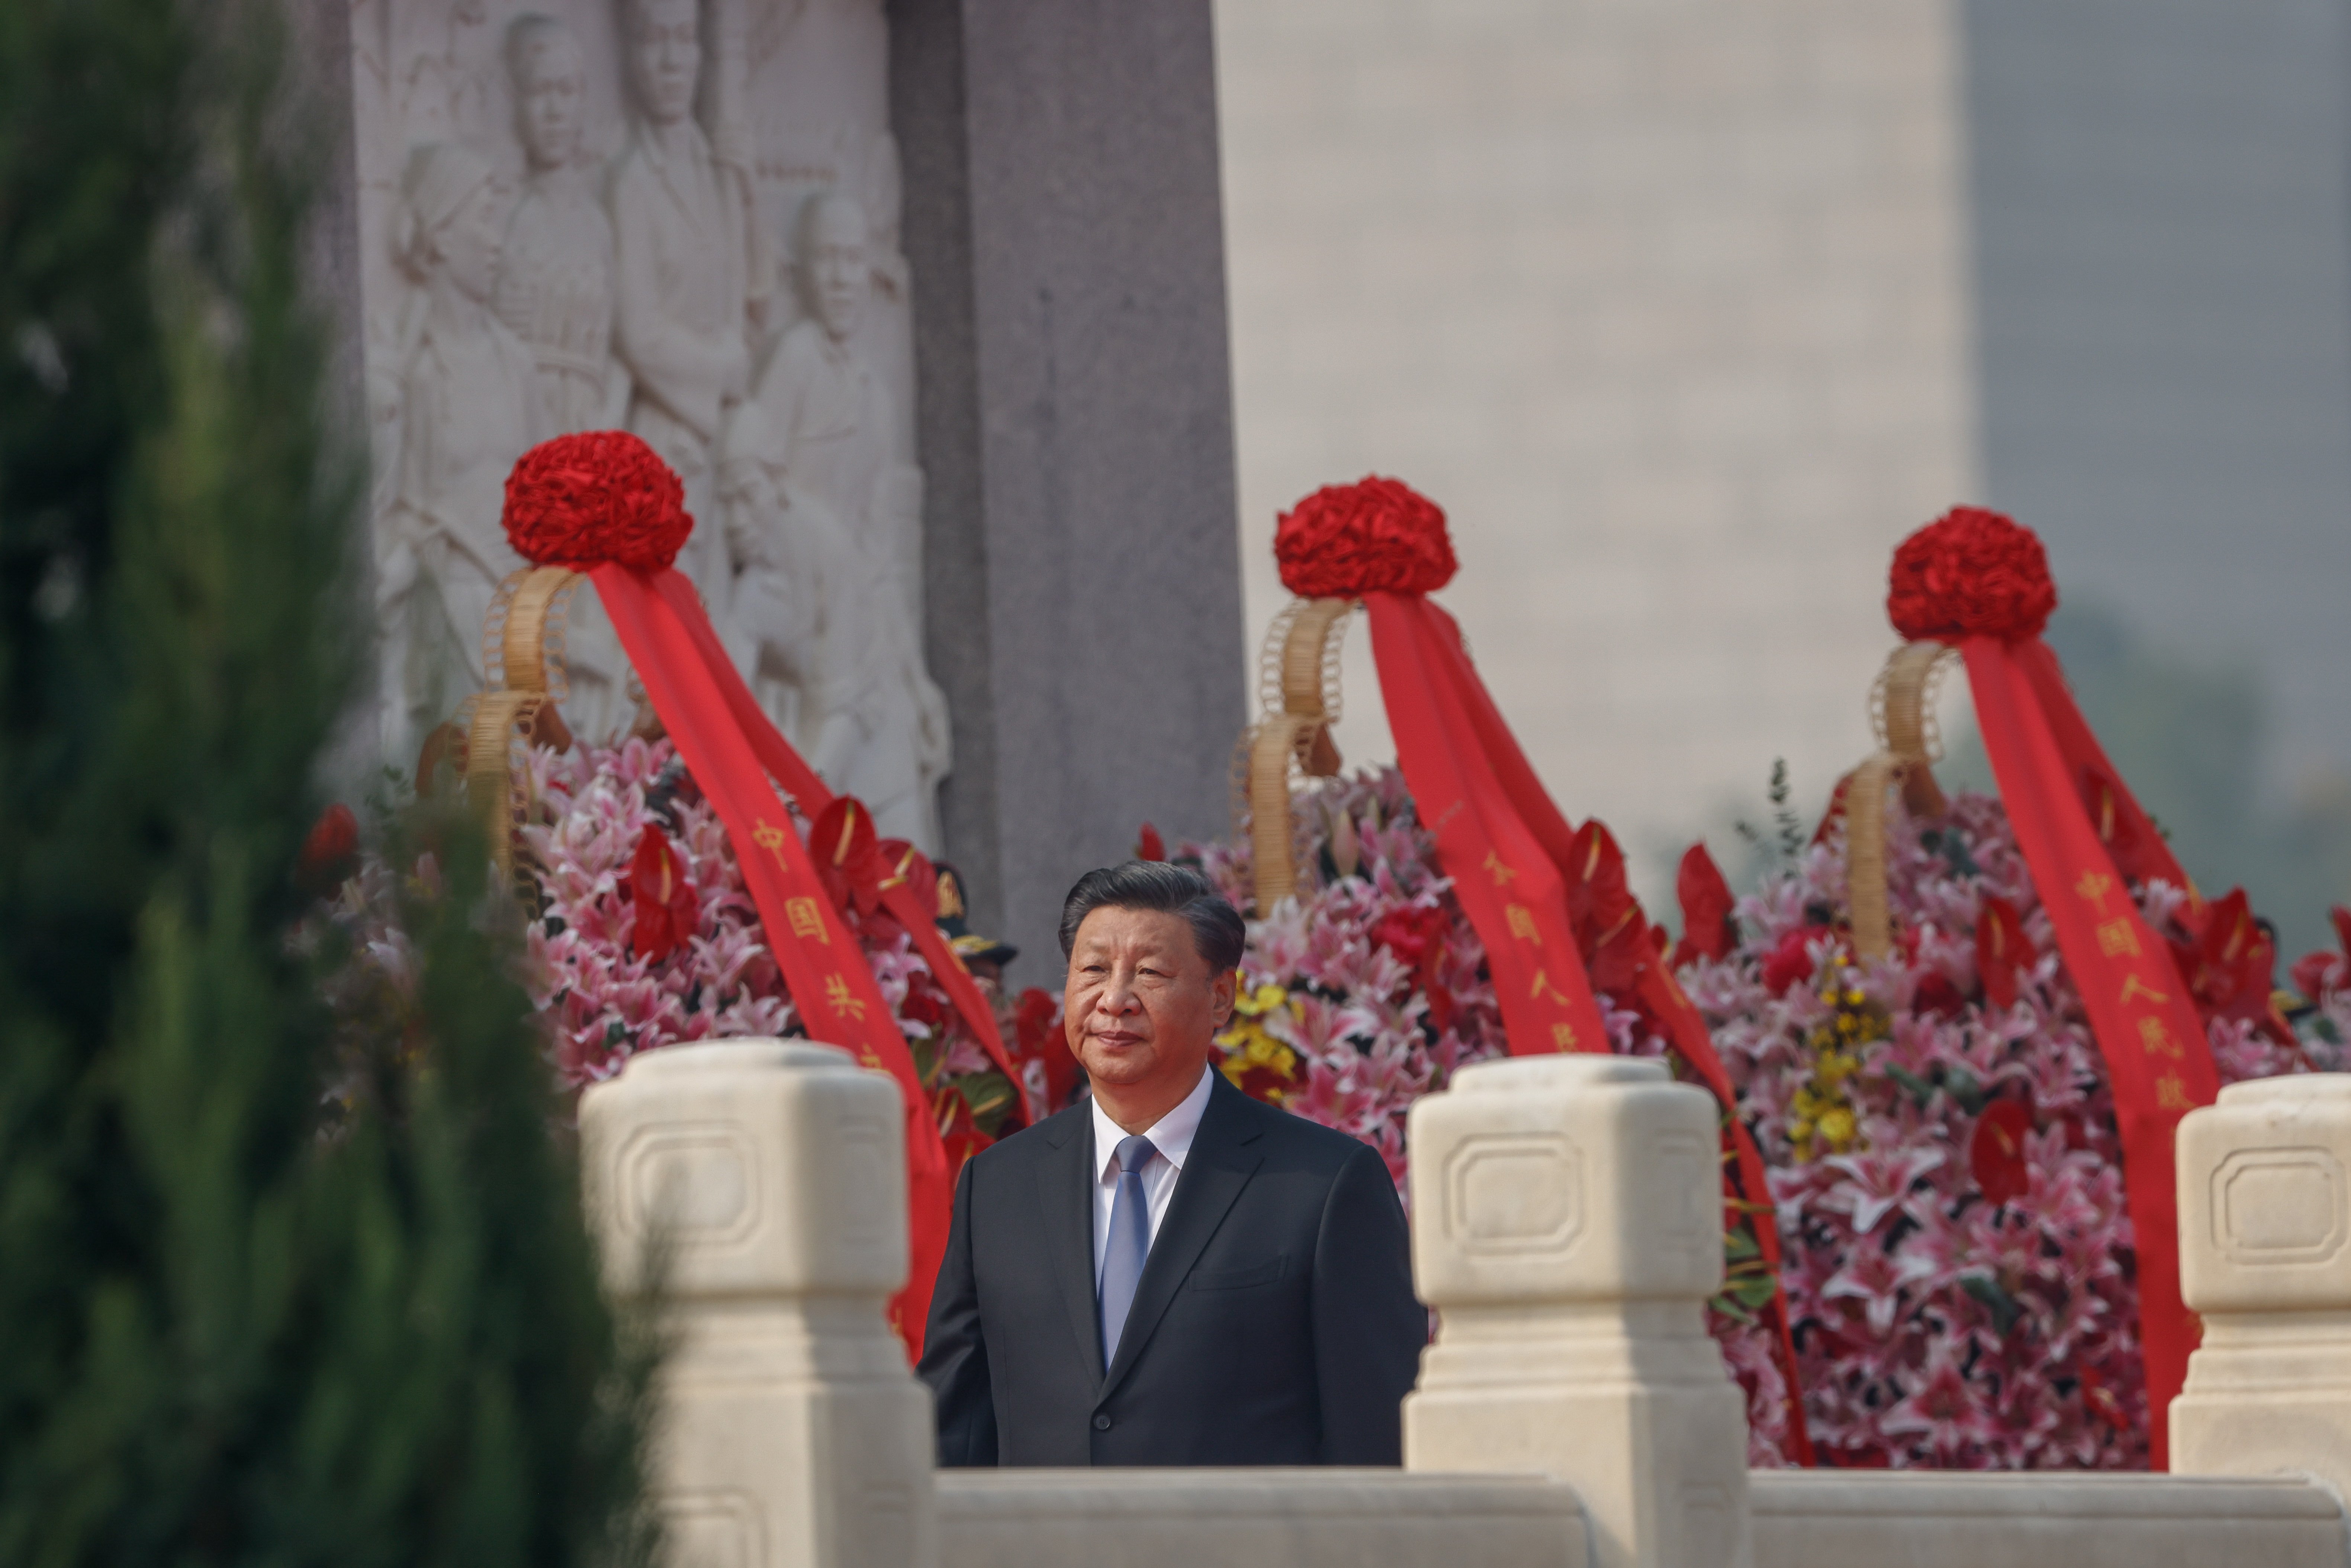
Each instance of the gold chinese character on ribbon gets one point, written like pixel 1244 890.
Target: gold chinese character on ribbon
pixel 2133 987
pixel 2094 887
pixel 769 838
pixel 2158 1040
pixel 1502 872
pixel 2117 939
pixel 1562 1037
pixel 2171 1093
pixel 807 920
pixel 836 991
pixel 1522 923
pixel 1544 988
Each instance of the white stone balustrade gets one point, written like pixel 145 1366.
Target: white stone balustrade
pixel 1573 1410
pixel 1568 1229
pixel 767 1179
pixel 2265 1259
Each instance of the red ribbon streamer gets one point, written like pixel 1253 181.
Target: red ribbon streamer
pixel 668 638
pixel 2141 1014
pixel 2084 758
pixel 787 768
pixel 1511 855
pixel 1511 889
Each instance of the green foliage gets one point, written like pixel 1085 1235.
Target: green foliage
pixel 229 1329
pixel 1777 852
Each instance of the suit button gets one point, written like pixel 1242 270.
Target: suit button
pixel 1101 1423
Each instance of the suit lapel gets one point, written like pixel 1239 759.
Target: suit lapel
pixel 1220 1165
pixel 1065 1182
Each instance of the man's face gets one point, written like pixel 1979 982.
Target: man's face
pixel 664 58
pixel 1143 1007
pixel 549 85
pixel 833 262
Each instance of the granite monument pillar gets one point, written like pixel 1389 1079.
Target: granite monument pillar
pixel 1074 417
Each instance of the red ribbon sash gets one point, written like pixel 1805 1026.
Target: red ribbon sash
pixel 1508 886
pixel 2084 758
pixel 786 767
pixel 2140 1012
pixel 657 618
pixel 1510 854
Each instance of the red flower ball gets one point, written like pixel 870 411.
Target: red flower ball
pixel 1374 536
pixel 600 496
pixel 1971 573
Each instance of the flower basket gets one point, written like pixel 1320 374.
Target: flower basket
pixel 1963 1032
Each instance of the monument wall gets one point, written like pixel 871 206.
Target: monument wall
pixel 1666 305
pixel 925 304
pixel 678 219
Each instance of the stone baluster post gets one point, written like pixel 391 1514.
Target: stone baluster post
pixel 2265 1257
pixel 1567 1227
pixel 767 1177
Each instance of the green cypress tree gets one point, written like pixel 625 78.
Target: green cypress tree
pixel 230 1330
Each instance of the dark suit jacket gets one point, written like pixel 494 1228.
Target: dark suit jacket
pixel 1274 1323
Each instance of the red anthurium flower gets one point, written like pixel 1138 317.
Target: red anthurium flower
pixel 2120 826
pixel 848 856
pixel 1406 932
pixel 667 912
pixel 1038 1034
pixel 2319 971
pixel 1616 962
pixel 1149 845
pixel 2002 951
pixel 2102 1401
pixel 1708 930
pixel 1599 901
pixel 1791 960
pixel 1834 812
pixel 901 861
pixel 2316 973
pixel 331 850
pixel 1935 994
pixel 1411 935
pixel 2231 965
pixel 1267 1082
pixel 924 1004
pixel 1996 1151
pixel 959 1132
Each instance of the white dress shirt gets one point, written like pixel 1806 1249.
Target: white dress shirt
pixel 1171 1136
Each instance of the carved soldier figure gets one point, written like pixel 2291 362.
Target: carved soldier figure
pixel 556 291
pixel 445 89
pixel 832 413
pixel 826 639
pixel 554 283
pixel 469 407
pixel 686 285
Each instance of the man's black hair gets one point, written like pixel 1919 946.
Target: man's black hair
pixel 1218 934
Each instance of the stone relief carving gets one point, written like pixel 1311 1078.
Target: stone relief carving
pixel 678 218
pixel 469 406
pixel 556 275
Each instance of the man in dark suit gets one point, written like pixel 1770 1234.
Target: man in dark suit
pixel 1170 1273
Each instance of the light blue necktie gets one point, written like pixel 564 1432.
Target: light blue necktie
pixel 1130 1242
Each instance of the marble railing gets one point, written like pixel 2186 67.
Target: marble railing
pixel 1572 1410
